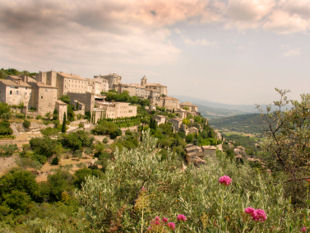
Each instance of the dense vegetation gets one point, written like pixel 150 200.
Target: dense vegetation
pixel 125 97
pixel 139 185
pixel 6 72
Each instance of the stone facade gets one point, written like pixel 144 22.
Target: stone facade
pixel 160 119
pixel 111 79
pixel 61 108
pixel 88 99
pixel 15 92
pixel 114 110
pixel 43 98
pixel 189 106
pixel 167 102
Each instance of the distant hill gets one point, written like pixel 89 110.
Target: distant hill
pixel 212 110
pixel 246 123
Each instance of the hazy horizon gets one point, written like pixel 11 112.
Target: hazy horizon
pixel 229 51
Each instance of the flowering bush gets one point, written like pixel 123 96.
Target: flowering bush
pixel 257 214
pixel 226 180
pixel 139 185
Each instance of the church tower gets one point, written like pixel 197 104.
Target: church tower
pixel 143 81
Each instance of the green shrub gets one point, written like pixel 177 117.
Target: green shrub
pixel 8 150
pixel 5 128
pixel 82 174
pixel 77 140
pixel 4 111
pixel 55 161
pixel 50 131
pixel 107 128
pixel 26 124
pixel 45 146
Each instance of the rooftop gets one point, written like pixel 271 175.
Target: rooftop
pixel 17 83
pixel 73 76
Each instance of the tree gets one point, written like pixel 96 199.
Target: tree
pixel 63 127
pixel 4 110
pixel 26 124
pixel 288 141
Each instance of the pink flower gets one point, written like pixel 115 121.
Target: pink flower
pixel 249 210
pixel 171 225
pixel 226 180
pixel 259 215
pixel 165 219
pixel 304 229
pixel 157 218
pixel 182 217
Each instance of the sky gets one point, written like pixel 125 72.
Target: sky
pixel 228 51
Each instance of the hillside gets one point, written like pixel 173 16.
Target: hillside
pixel 246 123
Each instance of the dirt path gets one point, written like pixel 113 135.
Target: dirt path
pixel 7 163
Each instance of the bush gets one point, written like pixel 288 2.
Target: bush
pixel 8 150
pixel 107 128
pixel 55 161
pixel 5 128
pixel 45 146
pixel 58 183
pixel 26 124
pixel 82 174
pixel 76 140
pixel 4 111
pixel 148 186
pixel 50 131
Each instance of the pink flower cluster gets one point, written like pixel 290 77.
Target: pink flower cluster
pixel 158 223
pixel 304 229
pixel 226 180
pixel 257 214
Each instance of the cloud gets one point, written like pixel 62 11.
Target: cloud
pixel 198 42
pixel 284 23
pixel 245 14
pixel 292 53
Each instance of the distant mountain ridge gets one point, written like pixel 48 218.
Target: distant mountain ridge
pixel 213 110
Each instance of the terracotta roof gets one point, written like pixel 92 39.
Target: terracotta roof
pixel 72 76
pixel 18 83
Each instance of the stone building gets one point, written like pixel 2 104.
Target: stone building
pixel 189 106
pixel 176 124
pixel 61 108
pixel 43 98
pixel 160 119
pixel 113 110
pixel 97 85
pixel 170 103
pixel 15 92
pixel 111 79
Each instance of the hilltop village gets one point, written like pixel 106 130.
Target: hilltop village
pixel 51 105
pixel 42 95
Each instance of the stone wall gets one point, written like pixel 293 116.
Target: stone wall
pixel 87 99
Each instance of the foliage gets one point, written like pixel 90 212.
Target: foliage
pixel 64 122
pixel 288 142
pixel 125 97
pixel 55 161
pixel 82 174
pixel 105 127
pixel 196 193
pixel 65 99
pixel 76 140
pixel 11 71
pixel 50 131
pixel 5 128
pixel 26 124
pixel 70 113
pixel 58 183
pixel 8 150
pixel 45 147
pixel 4 111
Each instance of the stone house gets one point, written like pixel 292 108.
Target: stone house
pixel 97 86
pixel 176 124
pixel 61 108
pixel 189 106
pixel 15 92
pixel 170 103
pixel 112 79
pixel 160 119
pixel 43 98
pixel 113 110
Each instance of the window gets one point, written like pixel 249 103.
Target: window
pixel 16 92
pixel 11 92
pixel 41 97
